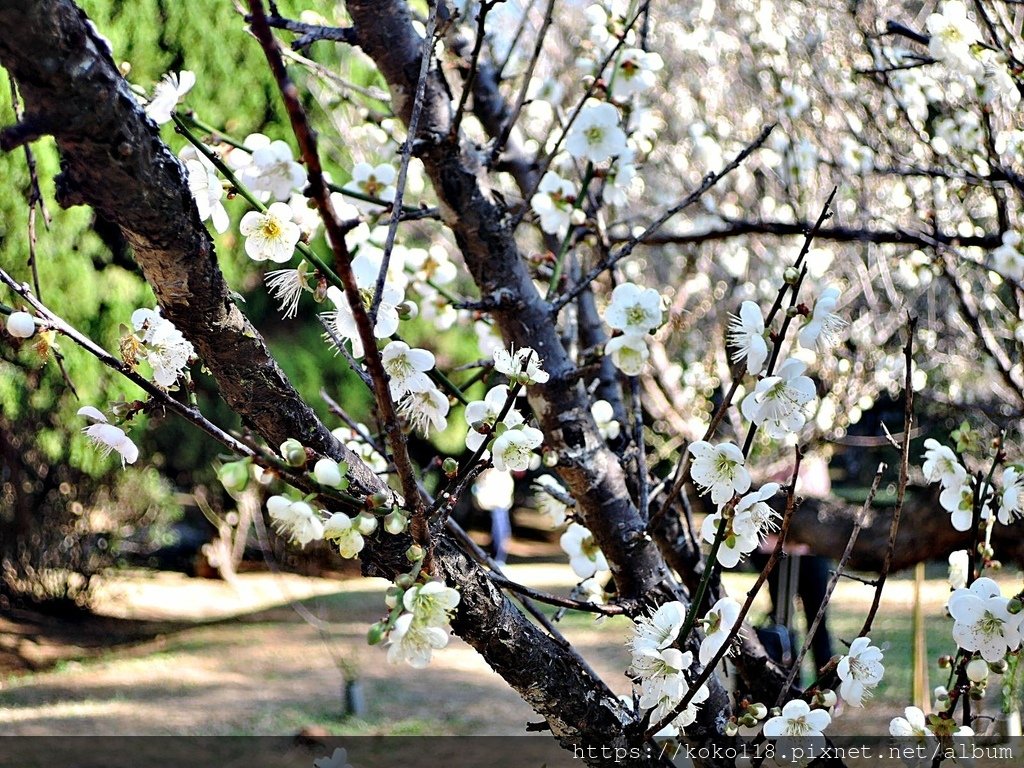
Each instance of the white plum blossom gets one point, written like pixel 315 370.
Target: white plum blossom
pixel 797 720
pixel 596 135
pixel 167 93
pixel 107 437
pixel 747 335
pixel 719 469
pixel 982 621
pixel 513 449
pixel 959 562
pixel 374 181
pixel 1011 505
pixel 21 325
pixel 663 685
pixel 296 519
pixel 941 464
pixel 342 530
pixel 634 310
pixel 164 346
pixel 406 368
pixel 629 353
pixel 585 556
pixel 270 235
pixel 511 363
pixel 425 410
pixel 287 286
pixel 779 403
pixel 204 183
pixel 914 725
pixel 273 169
pixel 951 36
pixel 485 412
pixel 823 326
pixel 553 203
pixel 343 321
pixel 604 417
pixel 659 630
pixel 958 500
pixel 414 642
pixel 751 521
pixel 549 497
pixel 432 603
pixel 860 671
pixel 1008 258
pixel 719 623
pixel 634 73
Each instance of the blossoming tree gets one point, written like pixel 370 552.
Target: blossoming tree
pixel 483 190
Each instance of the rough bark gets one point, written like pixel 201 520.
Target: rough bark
pixel 112 159
pixel 483 231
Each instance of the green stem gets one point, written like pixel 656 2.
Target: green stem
pixel 556 273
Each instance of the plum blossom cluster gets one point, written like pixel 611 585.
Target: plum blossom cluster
pixel 955 41
pixel 659 668
pixel 421 625
pixel 743 526
pixel 961 493
pixel 635 312
pixel 160 343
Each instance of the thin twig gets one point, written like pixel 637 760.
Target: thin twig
pixel 626 248
pixel 901 489
pixel 752 593
pixel 342 261
pixel 858 524
pixel 427 55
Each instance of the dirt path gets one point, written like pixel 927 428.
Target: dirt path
pixel 239 660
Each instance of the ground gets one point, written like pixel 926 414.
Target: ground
pixel 267 655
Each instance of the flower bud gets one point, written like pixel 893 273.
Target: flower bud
pixel 404 580
pixel 395 522
pixel 293 453
pixel 327 472
pixel 377 500
pixel 375 633
pixel 234 475
pixel 791 275
pixel 450 467
pixel 731 729
pixel 366 523
pixel 999 666
pixel 945 661
pixel 415 553
pixel 941 694
pixel 392 596
pixel 21 325
pixel 748 720
pixel 826 698
pixel 758 710
pixel 408 310
pixel 977 670
pixel 977 693
pixel 550 459
pixel 1015 605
